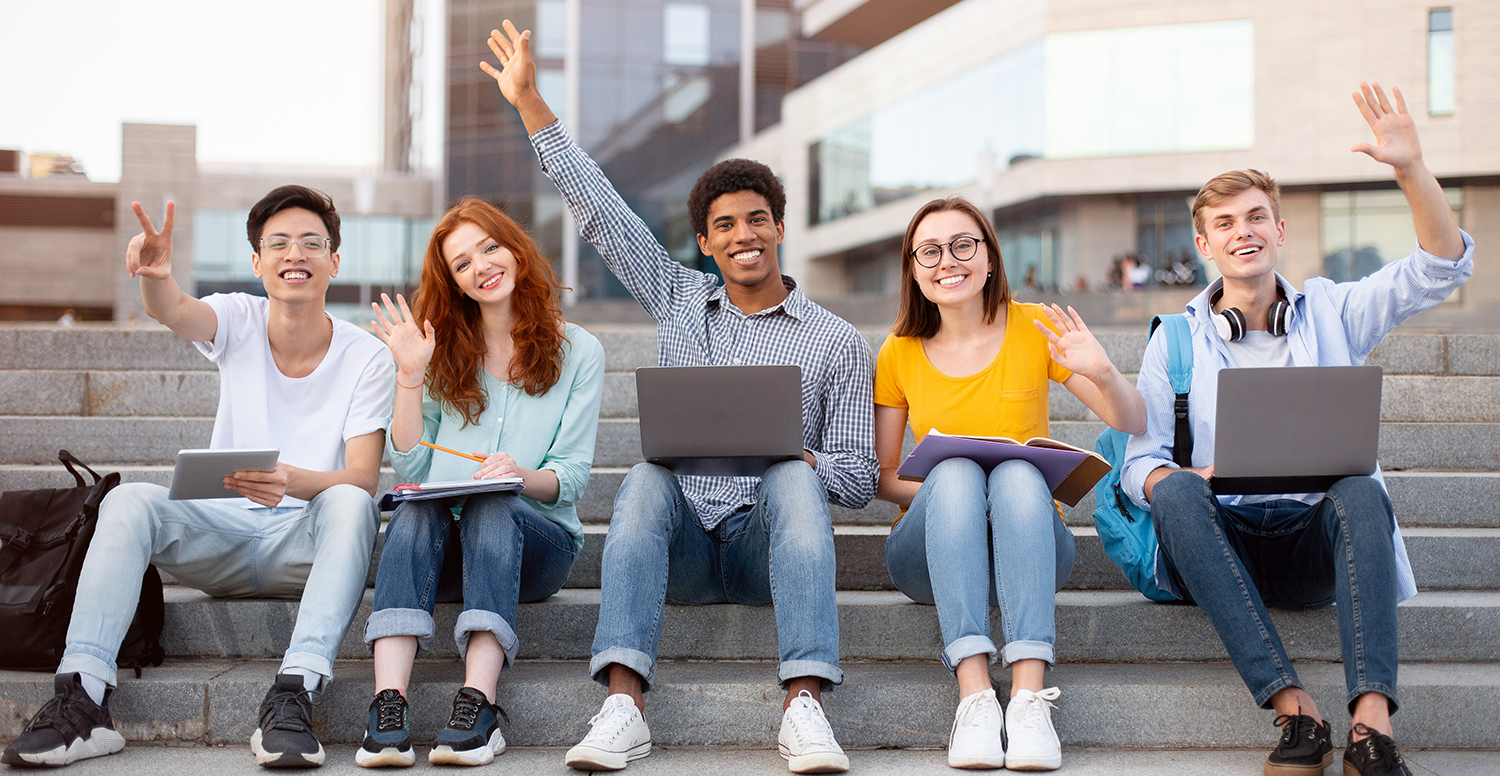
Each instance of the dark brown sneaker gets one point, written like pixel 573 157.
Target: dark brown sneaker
pixel 1306 747
pixel 1373 756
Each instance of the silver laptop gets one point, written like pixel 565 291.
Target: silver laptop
pixel 1295 429
pixel 720 420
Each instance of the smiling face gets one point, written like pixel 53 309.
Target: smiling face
pixel 742 237
pixel 1241 235
pixel 952 283
pixel 295 277
pixel 483 269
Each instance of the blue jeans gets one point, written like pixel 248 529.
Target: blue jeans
pixel 778 551
pixel 965 529
pixel 510 552
pixel 1234 561
pixel 319 552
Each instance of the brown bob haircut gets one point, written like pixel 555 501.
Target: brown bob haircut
pixel 918 316
pixel 1229 184
pixel 536 365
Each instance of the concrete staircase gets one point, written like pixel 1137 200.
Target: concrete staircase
pixel 1133 674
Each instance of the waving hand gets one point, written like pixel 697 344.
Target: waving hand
pixel 517 76
pixel 1396 141
pixel 411 345
pixel 1073 346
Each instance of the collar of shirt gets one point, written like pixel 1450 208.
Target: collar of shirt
pixel 794 305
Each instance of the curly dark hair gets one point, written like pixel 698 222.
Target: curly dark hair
pixel 729 176
pixel 285 198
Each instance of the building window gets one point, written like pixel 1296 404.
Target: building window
pixel 1440 62
pixel 685 34
pixel 1164 240
pixel 1365 230
pixel 551 41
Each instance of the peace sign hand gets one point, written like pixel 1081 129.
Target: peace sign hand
pixel 1073 346
pixel 517 79
pixel 150 252
pixel 410 345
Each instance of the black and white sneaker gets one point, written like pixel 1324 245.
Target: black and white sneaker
pixel 473 735
pixel 388 739
pixel 68 728
pixel 284 738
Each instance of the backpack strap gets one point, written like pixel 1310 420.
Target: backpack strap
pixel 1180 375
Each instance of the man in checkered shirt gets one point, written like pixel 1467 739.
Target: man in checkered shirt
pixel 704 540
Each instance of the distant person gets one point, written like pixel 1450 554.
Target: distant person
pixel 293 378
pixel 710 540
pixel 966 358
pixel 1236 555
pixel 67 318
pixel 1137 273
pixel 492 369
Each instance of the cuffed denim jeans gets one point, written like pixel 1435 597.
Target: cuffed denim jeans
pixel 319 552
pixel 779 552
pixel 511 554
pixel 1234 561
pixel 965 530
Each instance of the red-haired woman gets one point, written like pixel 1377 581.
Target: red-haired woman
pixel 492 369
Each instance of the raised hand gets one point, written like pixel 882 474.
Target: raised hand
pixel 517 80
pixel 150 252
pixel 1073 346
pixel 411 345
pixel 1396 141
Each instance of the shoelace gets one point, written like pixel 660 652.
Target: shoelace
pixel 65 713
pixel 287 710
pixel 465 711
pixel 388 711
pixel 1377 748
pixel 977 714
pixel 1036 709
pixel 809 723
pixel 610 722
pixel 1292 728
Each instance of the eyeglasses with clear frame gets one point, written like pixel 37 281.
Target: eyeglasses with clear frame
pixel 963 248
pixel 277 246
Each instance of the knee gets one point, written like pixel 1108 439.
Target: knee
pixel 1182 499
pixel 959 473
pixel 1016 481
pixel 346 507
pixel 132 505
pixel 648 494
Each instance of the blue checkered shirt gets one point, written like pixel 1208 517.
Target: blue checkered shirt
pixel 696 325
pixel 1333 324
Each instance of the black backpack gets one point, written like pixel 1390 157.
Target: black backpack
pixel 45 535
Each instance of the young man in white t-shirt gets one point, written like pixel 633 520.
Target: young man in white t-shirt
pixel 291 378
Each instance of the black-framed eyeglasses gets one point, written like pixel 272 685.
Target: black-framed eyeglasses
pixel 276 246
pixel 963 248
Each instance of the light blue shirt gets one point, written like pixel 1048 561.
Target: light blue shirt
pixel 552 432
pixel 1332 324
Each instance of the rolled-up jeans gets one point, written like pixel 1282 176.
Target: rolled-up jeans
pixel 319 552
pixel 511 554
pixel 779 552
pixel 1234 561
pixel 965 530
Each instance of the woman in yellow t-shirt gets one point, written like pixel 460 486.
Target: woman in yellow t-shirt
pixel 964 358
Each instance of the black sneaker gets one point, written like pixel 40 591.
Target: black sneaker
pixel 284 738
pixel 388 739
pixel 69 728
pixel 1306 747
pixel 1373 756
pixel 473 733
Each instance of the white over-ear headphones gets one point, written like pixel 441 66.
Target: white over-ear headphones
pixel 1231 322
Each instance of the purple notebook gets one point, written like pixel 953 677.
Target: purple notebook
pixel 1070 471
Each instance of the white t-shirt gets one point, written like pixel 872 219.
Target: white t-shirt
pixel 307 418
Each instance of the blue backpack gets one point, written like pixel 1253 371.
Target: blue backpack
pixel 1125 529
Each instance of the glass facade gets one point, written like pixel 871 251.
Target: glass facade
pixel 1164 239
pixel 659 97
pixel 1365 230
pixel 1138 90
pixel 1441 62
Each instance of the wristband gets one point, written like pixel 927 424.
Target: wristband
pixel 410 387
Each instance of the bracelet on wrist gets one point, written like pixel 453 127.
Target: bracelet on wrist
pixel 410 387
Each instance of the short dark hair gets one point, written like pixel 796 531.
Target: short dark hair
pixel 286 197
pixel 727 177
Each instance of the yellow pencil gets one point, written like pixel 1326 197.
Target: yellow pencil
pixel 478 458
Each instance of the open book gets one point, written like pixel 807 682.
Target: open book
pixel 450 489
pixel 1070 471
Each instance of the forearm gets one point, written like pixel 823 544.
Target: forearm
pixel 406 413
pixel 895 490
pixel 1157 475
pixel 535 113
pixel 1123 406
pixel 541 485
pixel 163 299
pixel 1437 230
pixel 306 484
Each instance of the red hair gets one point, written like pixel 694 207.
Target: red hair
pixel 536 328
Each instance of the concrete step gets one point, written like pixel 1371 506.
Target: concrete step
pixel 146 759
pixel 156 439
pixel 1092 626
pixel 738 704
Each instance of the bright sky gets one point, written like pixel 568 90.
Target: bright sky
pixel 270 82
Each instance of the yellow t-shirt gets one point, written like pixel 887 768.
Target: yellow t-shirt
pixel 1007 398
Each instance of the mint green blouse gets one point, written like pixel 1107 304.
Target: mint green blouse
pixel 554 431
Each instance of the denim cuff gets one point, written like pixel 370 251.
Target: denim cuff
pixel 967 646
pixel 831 675
pixel 1263 696
pixel 1388 692
pixel 633 659
pixel 89 663
pixel 471 620
pixel 1027 650
pixel 400 622
pixel 310 661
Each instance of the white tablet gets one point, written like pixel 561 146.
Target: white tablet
pixel 201 473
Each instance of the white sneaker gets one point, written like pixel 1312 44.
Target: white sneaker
pixel 1033 744
pixel 975 741
pixel 617 736
pixel 806 740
